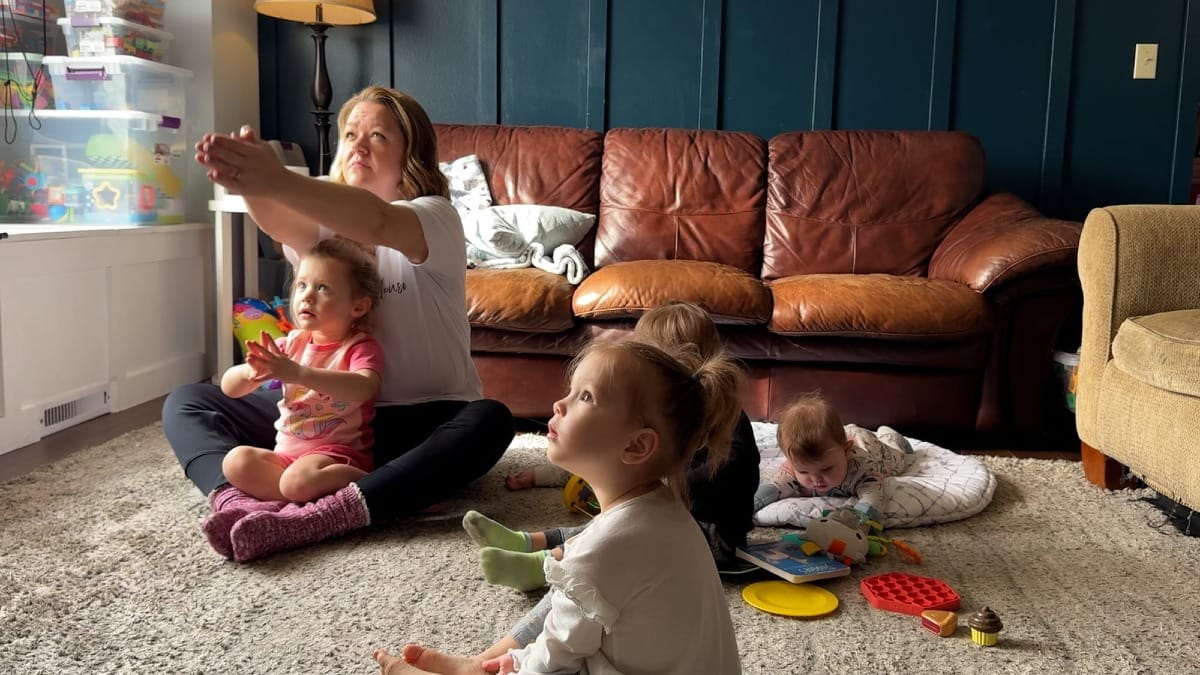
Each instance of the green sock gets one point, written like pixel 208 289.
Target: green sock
pixel 486 532
pixel 522 571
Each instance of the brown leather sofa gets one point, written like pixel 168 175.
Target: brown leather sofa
pixel 872 265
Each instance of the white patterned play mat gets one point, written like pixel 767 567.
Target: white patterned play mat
pixel 937 486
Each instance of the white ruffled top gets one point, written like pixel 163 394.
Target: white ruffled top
pixel 637 591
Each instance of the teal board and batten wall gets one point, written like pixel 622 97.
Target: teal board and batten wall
pixel 1046 85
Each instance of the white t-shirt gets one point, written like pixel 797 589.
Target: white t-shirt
pixel 636 592
pixel 421 323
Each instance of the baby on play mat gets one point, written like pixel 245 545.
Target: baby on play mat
pixel 823 458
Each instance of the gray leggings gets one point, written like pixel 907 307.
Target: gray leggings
pixel 530 626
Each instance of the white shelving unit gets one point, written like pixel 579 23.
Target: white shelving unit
pixel 99 319
pixel 96 321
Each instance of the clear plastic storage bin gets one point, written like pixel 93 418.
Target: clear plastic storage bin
pixel 146 12
pixel 109 36
pixel 94 167
pixel 33 8
pixel 1066 366
pixel 118 83
pixel 26 84
pixel 27 29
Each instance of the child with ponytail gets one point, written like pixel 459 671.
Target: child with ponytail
pixel 637 591
pixel 720 490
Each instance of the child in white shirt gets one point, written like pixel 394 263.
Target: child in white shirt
pixel 637 591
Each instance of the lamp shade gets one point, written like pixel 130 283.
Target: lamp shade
pixel 333 12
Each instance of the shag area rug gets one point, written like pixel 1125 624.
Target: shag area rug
pixel 103 569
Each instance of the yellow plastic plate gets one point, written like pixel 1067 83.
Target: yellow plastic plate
pixel 787 599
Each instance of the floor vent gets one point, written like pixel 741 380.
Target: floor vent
pixel 58 417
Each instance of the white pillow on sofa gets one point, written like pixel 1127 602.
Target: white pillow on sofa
pixel 468 186
pixel 508 230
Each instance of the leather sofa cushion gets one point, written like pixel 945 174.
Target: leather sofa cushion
pixel 525 300
pixel 1162 350
pixel 876 305
pixel 627 290
pixel 682 194
pixel 843 202
pixel 554 166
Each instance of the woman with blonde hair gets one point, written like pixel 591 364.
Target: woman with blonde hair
pixel 434 432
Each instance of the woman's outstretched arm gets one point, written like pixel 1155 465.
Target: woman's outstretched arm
pixel 247 165
pixel 278 219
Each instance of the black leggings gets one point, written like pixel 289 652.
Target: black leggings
pixel 423 452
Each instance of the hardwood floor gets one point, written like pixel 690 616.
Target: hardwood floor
pixel 105 428
pixel 86 435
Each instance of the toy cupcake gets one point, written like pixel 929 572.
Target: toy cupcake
pixel 985 627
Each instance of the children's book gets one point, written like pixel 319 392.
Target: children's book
pixel 788 560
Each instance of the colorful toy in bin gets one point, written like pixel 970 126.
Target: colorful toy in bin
pixel 147 12
pixel 113 36
pixel 117 196
pixel 58 196
pixel 153 186
pixel 25 82
pixel 21 184
pixel 1066 367
pixel 33 8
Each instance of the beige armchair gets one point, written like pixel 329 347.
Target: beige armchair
pixel 1138 384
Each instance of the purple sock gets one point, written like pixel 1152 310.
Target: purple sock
pixel 262 533
pixel 229 505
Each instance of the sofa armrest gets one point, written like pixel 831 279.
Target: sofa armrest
pixel 1133 261
pixel 1002 239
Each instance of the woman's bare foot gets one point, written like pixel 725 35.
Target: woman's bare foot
pixel 434 661
pixel 521 480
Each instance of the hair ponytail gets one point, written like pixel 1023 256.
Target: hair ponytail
pixel 687 330
pixel 722 380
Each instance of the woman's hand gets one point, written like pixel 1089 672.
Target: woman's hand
pixel 241 163
pixel 269 362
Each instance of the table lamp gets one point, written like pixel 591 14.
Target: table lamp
pixel 320 15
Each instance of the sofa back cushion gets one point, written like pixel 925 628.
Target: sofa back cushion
pixel 551 166
pixel 682 194
pixel 860 202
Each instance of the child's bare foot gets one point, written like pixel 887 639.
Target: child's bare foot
pixel 521 480
pixel 503 665
pixel 434 661
pixel 390 664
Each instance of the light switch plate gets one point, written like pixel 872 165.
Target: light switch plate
pixel 1145 61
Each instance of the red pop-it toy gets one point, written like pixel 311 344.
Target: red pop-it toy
pixel 908 593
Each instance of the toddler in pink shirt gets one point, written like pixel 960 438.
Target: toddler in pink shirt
pixel 329 368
